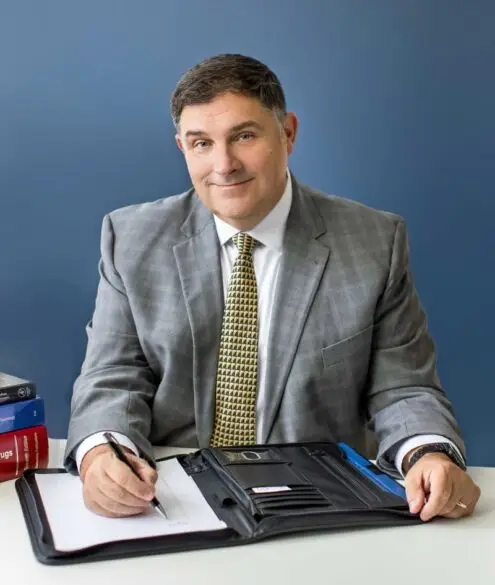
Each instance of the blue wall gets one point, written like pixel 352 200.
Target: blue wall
pixel 397 109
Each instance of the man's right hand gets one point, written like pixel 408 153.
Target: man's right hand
pixel 109 486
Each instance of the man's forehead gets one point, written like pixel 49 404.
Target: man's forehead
pixel 225 113
pixel 248 124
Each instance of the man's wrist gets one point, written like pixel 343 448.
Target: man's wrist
pixel 93 454
pixel 90 456
pixel 406 465
pixel 414 442
pixel 406 461
pixel 443 450
pixel 97 439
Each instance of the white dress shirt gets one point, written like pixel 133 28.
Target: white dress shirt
pixel 266 259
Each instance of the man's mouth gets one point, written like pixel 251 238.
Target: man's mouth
pixel 236 184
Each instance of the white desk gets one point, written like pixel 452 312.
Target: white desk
pixel 441 552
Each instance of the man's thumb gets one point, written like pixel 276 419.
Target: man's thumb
pixel 415 495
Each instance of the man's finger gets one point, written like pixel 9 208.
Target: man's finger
pixel 94 506
pixel 115 509
pixel 118 509
pixel 99 498
pixel 441 494
pixel 118 493
pixel 146 472
pixel 466 501
pixel 455 507
pixel 98 502
pixel 414 492
pixel 453 511
pixel 120 474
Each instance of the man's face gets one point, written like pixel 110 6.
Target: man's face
pixel 236 152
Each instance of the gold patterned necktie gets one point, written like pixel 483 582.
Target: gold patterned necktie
pixel 237 370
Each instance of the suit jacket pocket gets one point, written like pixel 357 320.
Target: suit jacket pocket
pixel 337 352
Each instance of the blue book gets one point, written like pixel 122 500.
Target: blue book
pixel 20 415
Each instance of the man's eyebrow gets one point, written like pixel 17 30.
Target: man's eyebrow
pixel 233 130
pixel 193 133
pixel 245 125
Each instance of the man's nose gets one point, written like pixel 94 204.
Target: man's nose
pixel 225 162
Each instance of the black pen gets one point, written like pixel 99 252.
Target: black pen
pixel 120 453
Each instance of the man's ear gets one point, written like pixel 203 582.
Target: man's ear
pixel 179 143
pixel 290 130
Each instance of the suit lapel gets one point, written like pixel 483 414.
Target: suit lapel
pixel 303 261
pixel 198 262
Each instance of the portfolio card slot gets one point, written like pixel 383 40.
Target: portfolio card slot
pixel 359 484
pixel 293 489
pixel 346 477
pixel 291 502
pixel 286 490
pixel 266 475
pixel 304 489
pixel 289 497
pixel 334 484
pixel 291 506
pixel 294 499
pixel 300 489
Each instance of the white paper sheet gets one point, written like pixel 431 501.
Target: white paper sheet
pixel 74 527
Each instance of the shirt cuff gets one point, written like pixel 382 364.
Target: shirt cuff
pixel 418 441
pixel 98 439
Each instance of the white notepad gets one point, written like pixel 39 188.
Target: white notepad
pixel 75 527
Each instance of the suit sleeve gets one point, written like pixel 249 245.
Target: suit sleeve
pixel 405 398
pixel 116 386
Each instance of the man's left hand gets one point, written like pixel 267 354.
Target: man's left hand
pixel 435 486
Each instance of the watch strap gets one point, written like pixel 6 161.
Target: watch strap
pixel 445 448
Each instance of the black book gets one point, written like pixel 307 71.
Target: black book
pixel 14 389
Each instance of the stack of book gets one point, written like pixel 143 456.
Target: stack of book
pixel 23 433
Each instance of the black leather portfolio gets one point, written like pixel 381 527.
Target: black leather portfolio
pixel 247 494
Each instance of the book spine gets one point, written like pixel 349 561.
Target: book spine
pixel 21 450
pixel 17 392
pixel 20 415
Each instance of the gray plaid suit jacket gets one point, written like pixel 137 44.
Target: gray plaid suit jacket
pixel 349 343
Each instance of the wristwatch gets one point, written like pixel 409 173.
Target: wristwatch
pixel 445 448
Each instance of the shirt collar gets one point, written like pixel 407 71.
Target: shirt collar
pixel 271 229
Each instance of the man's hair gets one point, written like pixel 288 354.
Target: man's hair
pixel 228 73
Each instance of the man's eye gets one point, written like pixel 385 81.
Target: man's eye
pixel 200 144
pixel 245 136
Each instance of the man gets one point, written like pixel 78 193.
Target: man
pixel 313 298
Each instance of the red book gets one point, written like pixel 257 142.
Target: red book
pixel 21 450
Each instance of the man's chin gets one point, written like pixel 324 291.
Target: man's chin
pixel 237 216
pixel 237 200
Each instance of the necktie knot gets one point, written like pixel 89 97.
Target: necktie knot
pixel 244 243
